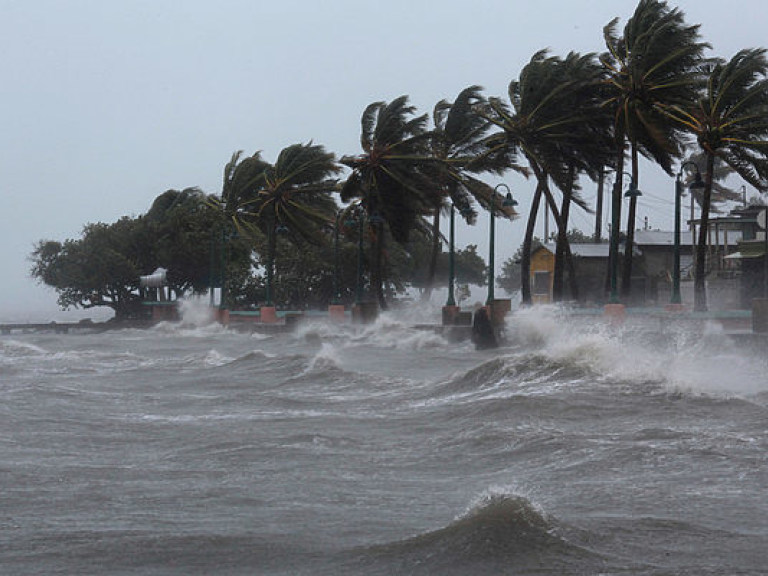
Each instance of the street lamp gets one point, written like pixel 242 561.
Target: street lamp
pixel 508 201
pixel 336 264
pixel 697 184
pixel 632 192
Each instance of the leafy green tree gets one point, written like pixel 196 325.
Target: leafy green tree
pixel 469 266
pixel 654 63
pixel 100 269
pixel 183 228
pixel 391 178
pixel 730 122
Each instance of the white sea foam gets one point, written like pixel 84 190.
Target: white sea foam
pixel 13 348
pixel 682 360
pixel 326 357
pixel 196 311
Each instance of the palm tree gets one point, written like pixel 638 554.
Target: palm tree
pixel 459 143
pixel 652 63
pixel 730 122
pixel 291 195
pixel 392 178
pixel 555 122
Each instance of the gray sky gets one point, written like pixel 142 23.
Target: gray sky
pixel 105 105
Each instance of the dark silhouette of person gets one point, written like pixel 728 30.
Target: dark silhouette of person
pixel 483 334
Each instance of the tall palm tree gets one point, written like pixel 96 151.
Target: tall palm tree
pixel 459 143
pixel 392 178
pixel 555 122
pixel 730 122
pixel 293 194
pixel 653 62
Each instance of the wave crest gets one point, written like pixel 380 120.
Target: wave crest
pixel 499 529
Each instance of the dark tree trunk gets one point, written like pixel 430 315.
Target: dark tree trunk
pixel 436 245
pixel 700 278
pixel 626 276
pixel 377 269
pixel 613 256
pixel 525 259
pixel 568 255
pixel 562 241
pixel 599 207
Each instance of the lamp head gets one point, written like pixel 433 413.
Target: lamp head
pixel 632 192
pixel 698 183
pixel 508 200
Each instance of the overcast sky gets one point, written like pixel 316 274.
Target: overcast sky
pixel 105 105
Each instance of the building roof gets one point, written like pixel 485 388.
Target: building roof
pixel 665 238
pixel 586 250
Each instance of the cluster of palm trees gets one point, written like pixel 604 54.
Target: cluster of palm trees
pixel 652 93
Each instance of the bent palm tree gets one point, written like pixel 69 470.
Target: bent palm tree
pixel 459 143
pixel 556 123
pixel 730 122
pixel 392 178
pixel 293 194
pixel 653 63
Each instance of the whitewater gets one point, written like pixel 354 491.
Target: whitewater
pixel 576 448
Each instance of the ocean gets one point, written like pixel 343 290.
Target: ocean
pixel 576 448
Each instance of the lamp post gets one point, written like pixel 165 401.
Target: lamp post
pixel 451 263
pixel 632 191
pixel 697 184
pixel 336 264
pixel 508 201
pixel 359 284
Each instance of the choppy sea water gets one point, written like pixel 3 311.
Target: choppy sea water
pixel 575 449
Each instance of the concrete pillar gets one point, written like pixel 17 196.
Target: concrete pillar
pixel 337 312
pixel 615 313
pixel 449 315
pixel 498 310
pixel 268 314
pixel 365 312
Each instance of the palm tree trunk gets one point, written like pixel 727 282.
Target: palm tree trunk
pixel 377 269
pixel 568 255
pixel 613 255
pixel 599 207
pixel 430 281
pixel 562 241
pixel 699 284
pixel 271 250
pixel 525 258
pixel 626 276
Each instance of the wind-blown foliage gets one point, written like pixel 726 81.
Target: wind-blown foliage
pixel 259 198
pixel 556 122
pixel 653 63
pixel 392 177
pixel 729 122
pixel 459 144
